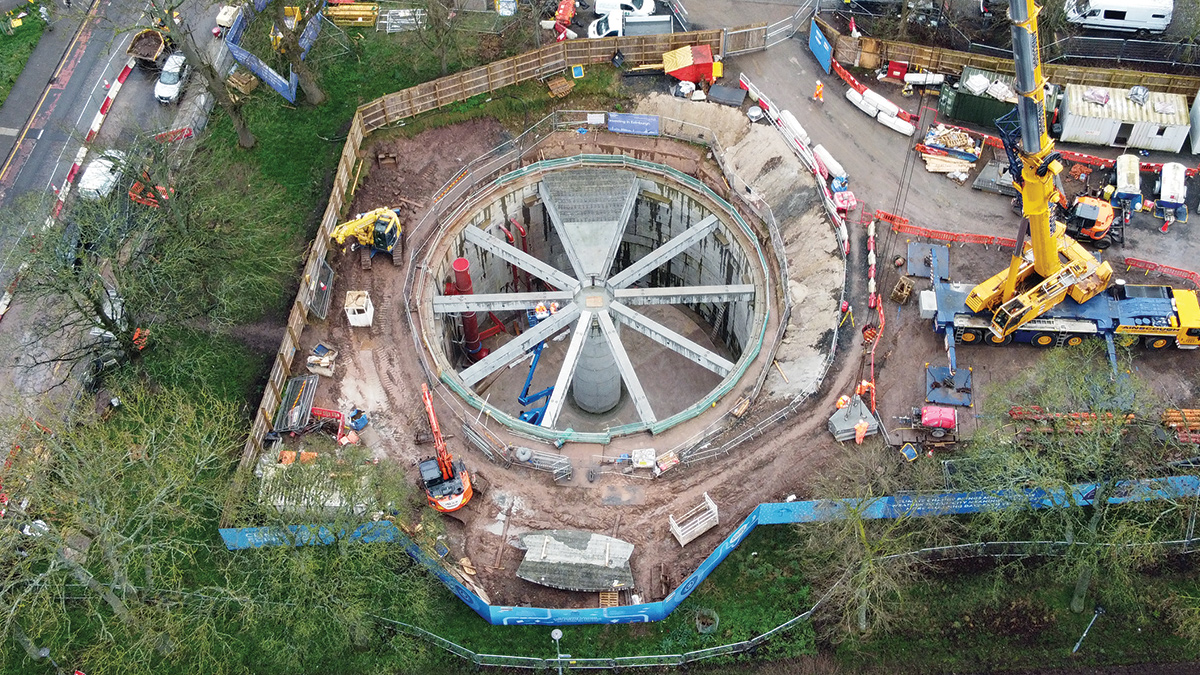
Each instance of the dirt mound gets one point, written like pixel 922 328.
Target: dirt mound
pixel 729 124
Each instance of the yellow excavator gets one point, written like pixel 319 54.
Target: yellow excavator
pixel 377 231
pixel 1050 265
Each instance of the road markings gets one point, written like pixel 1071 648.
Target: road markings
pixel 8 131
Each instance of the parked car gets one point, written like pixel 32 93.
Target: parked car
pixel 618 24
pixel 102 175
pixel 173 79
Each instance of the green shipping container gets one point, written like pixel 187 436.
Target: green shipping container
pixel 960 104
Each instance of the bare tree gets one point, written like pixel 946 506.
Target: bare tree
pixel 1109 437
pixel 106 511
pixel 111 270
pixel 439 33
pixel 178 30
pixel 290 45
pixel 863 559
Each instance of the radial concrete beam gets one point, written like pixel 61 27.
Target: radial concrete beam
pixel 559 396
pixel 632 384
pixel 495 302
pixel 670 339
pixel 683 294
pixel 518 345
pixel 563 231
pixel 521 259
pixel 654 259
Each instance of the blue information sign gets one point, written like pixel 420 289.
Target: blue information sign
pixel 820 47
pixel 642 125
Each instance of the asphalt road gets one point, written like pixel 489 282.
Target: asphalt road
pixel 63 88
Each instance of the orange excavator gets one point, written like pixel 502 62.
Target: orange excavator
pixel 447 484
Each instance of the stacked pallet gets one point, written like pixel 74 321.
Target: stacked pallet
pixel 353 14
pixel 949 151
pixel 942 163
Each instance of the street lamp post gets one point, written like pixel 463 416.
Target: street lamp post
pixel 44 653
pixel 556 635
pixel 1096 615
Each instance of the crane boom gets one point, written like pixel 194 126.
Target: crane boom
pixel 1040 163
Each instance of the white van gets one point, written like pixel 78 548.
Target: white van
pixel 618 25
pixel 1148 16
pixel 627 7
pixel 102 175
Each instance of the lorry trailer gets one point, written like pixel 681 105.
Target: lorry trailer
pixel 1156 316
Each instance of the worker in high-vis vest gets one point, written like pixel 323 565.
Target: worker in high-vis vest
pixel 819 94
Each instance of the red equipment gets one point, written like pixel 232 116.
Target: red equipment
pixel 563 18
pixel 937 420
pixel 447 484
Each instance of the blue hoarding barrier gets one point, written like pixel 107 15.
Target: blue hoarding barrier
pixel 641 125
pixel 919 506
pixel 819 45
pixel 288 87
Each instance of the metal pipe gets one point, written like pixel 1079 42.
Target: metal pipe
pixel 470 323
pixel 525 248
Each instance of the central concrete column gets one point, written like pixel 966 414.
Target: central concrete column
pixel 597 383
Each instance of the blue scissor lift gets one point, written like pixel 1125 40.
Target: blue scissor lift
pixel 534 415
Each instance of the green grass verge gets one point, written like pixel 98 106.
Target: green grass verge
pixel 1019 618
pixel 15 49
pixel 754 590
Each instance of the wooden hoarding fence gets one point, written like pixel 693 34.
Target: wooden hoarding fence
pixel 536 64
pixel 869 53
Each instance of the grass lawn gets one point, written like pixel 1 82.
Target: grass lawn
pixel 16 48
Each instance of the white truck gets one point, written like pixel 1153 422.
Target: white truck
pixel 1141 16
pixel 619 25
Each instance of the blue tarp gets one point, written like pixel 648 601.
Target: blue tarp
pixel 764 514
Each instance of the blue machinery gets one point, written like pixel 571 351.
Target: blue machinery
pixel 534 416
pixel 927 505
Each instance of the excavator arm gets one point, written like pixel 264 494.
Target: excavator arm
pixel 445 464
pixel 1047 267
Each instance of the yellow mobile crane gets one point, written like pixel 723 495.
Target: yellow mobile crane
pixel 1050 265
pixel 377 231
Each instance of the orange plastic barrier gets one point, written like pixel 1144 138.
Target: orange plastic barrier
pixel 848 78
pixel 1179 273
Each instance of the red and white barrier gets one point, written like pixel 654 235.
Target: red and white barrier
pixel 108 101
pixel 798 141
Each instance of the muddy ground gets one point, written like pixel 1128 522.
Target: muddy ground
pixel 378 372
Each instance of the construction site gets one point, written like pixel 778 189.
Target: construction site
pixel 601 344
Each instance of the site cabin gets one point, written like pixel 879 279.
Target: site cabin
pixel 1143 16
pixel 1163 123
pixel 1156 316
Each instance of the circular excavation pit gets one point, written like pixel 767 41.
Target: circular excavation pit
pixel 596 300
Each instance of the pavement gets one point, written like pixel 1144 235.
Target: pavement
pixel 33 82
